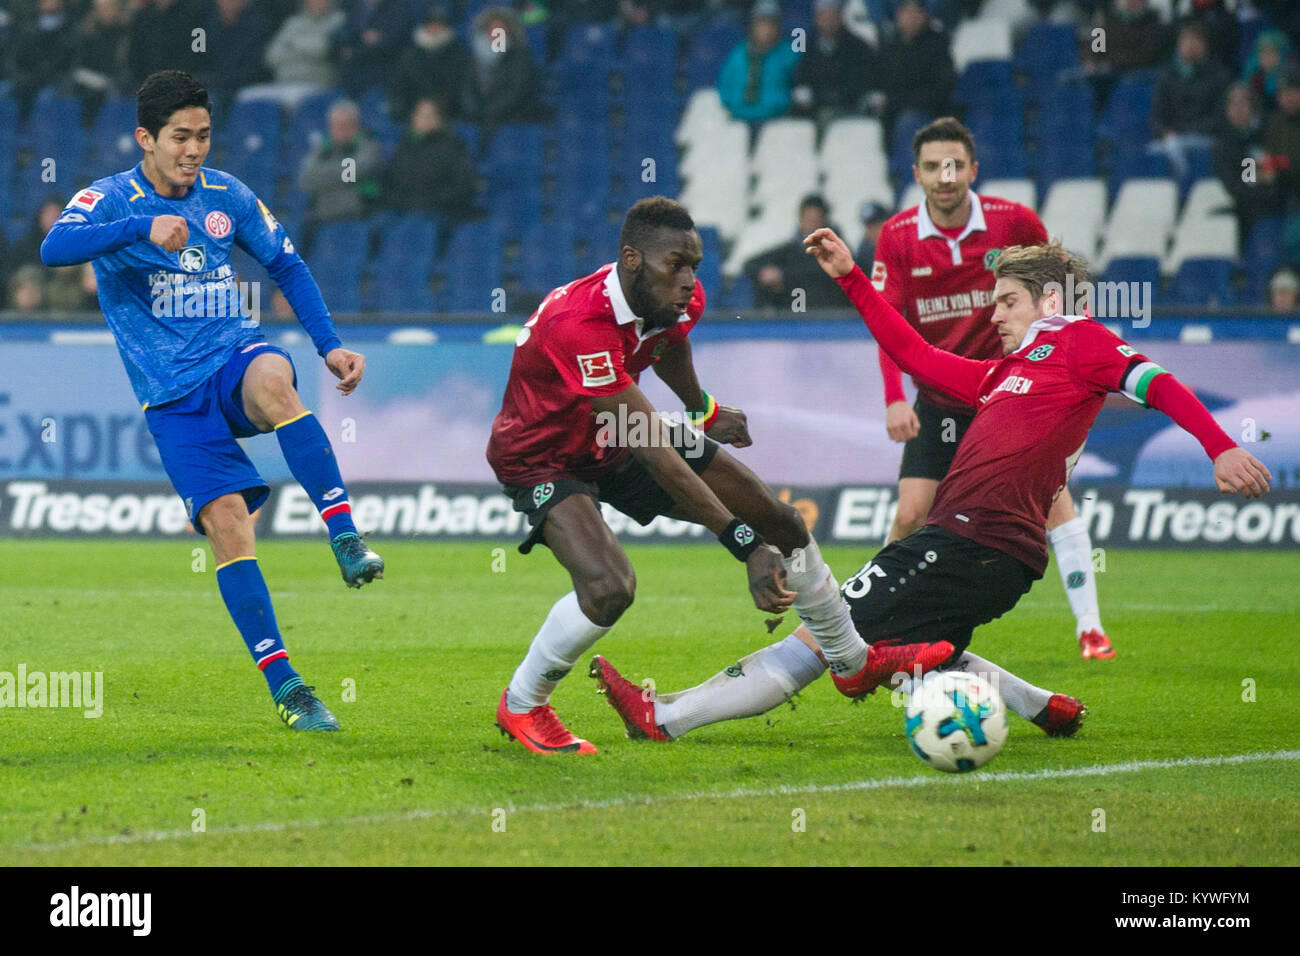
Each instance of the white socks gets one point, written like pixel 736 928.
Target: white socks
pixel 822 609
pixel 565 636
pixel 1021 696
pixel 754 685
pixel 1073 548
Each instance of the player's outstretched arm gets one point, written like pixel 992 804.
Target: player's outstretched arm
pixel 74 239
pixel 1236 471
pixel 957 376
pixel 722 423
pixel 693 496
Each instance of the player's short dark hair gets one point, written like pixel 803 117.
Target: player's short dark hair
pixel 165 92
pixel 1035 267
pixel 648 216
pixel 946 129
pixel 815 201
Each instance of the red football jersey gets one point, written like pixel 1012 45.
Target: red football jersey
pixel 944 286
pixel 1033 409
pixel 583 341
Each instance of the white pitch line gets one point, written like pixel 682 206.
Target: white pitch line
pixel 922 780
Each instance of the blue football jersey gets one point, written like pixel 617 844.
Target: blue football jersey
pixel 178 316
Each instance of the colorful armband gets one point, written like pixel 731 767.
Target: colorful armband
pixel 705 417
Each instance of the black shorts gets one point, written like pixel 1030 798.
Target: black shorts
pixel 934 585
pixel 930 453
pixel 631 489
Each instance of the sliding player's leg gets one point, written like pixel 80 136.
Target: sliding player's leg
pixel 915 496
pixel 229 527
pixel 270 402
pixel 1068 535
pixel 603 588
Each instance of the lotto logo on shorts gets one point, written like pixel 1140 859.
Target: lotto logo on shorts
pixel 542 494
pixel 217 224
pixel 597 369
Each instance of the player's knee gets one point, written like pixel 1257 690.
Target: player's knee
pixel 605 598
pixel 225 519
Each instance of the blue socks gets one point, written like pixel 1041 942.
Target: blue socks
pixel 310 457
pixel 249 602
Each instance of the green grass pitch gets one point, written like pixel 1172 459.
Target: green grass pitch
pixel 419 775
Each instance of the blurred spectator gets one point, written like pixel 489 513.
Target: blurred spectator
pixel 341 176
pixel 100 69
pixel 914 69
pixel 299 53
pixel 635 13
pixel 873 216
pixel 436 66
pixel 27 251
pixel 832 75
pixel 1241 137
pixel 237 35
pixel 372 38
pixel 1132 37
pixel 431 171
pixel 1282 139
pixel 44 50
pixel 1283 291
pixel 161 38
pixel 777 273
pixel 1221 30
pixel 65 290
pixel 758 74
pixel 1185 108
pixel 27 289
pixel 1272 53
pixel 504 79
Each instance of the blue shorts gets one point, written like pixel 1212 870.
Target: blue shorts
pixel 196 436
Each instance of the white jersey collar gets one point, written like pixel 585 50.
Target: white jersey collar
pixel 1052 323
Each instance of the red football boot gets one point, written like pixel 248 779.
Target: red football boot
pixel 1095 644
pixel 886 660
pixel 1062 717
pixel 628 700
pixel 540 730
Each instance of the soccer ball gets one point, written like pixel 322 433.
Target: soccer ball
pixel 956 721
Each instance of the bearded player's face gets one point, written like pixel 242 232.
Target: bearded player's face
pixel 945 171
pixel 663 285
pixel 1014 311
pixel 180 148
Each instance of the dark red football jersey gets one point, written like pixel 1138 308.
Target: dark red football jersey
pixel 583 341
pixel 943 286
pixel 1033 409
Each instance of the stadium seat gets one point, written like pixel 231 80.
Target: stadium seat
pixel 1141 219
pixel 1016 190
pixel 1202 236
pixel 981 39
pixel 708 48
pixel 704 111
pixel 785 161
pixel 759 234
pixel 1202 282
pixel 650 48
pixel 112 140
pixel 851 143
pixel 546 257
pixel 983 80
pixel 1261 256
pixel 251 146
pixel 911 195
pixel 1045 51
pixel 337 256
pixel 472 267
pixel 1130 269
pixel 1124 120
pixel 1074 211
pixel 403 264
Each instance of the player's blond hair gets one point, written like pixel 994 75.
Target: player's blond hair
pixel 1038 267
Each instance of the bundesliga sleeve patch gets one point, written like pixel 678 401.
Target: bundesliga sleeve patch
pixel 878 274
pixel 87 199
pixel 597 369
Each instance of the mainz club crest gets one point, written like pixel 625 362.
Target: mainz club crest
pixel 217 224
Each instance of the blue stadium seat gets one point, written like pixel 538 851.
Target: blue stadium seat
pixel 601 242
pixel 710 271
pixel 471 267
pixel 546 258
pixel 1045 51
pixel 337 257
pixel 650 48
pixel 900 154
pixel 112 145
pixel 1203 282
pixel 983 79
pixel 1134 161
pixel 1124 121
pixel 1134 269
pixel 408 245
pixel 251 146
pixel 1262 255
pixel 1062 157
pixel 308 126
pixel 709 46
pixel 52 132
